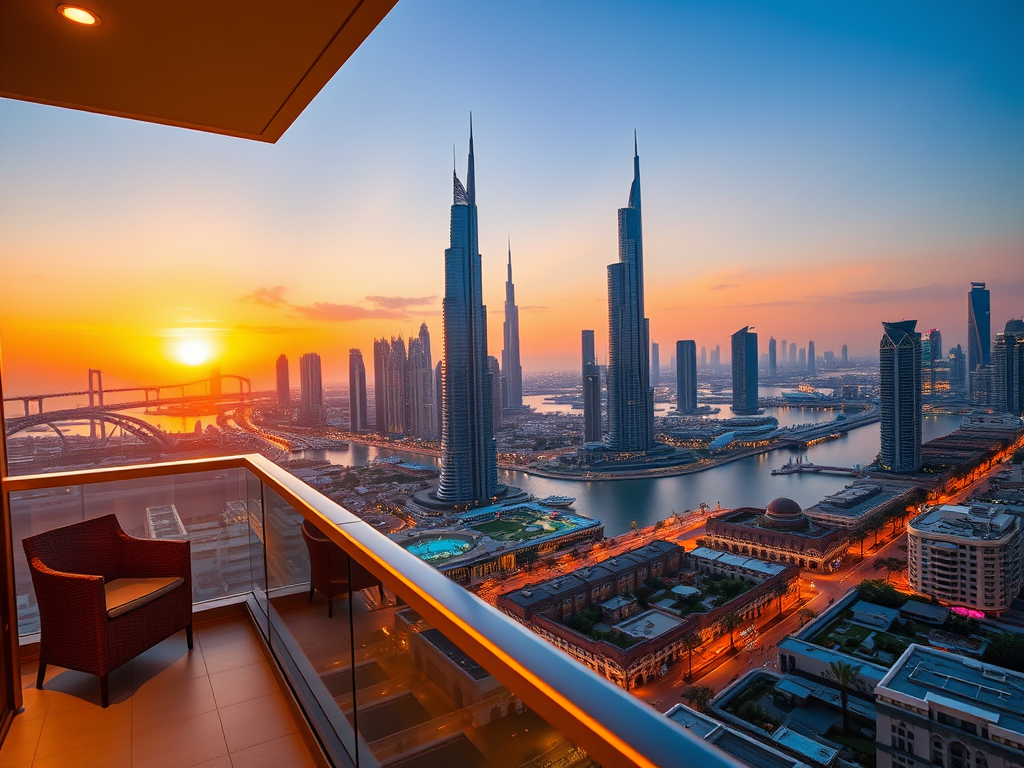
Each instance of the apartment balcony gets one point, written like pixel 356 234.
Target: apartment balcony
pixel 422 673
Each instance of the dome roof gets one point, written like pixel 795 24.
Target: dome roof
pixel 784 509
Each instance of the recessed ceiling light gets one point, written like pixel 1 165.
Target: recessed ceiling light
pixel 78 15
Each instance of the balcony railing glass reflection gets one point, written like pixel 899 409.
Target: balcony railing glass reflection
pixel 422 674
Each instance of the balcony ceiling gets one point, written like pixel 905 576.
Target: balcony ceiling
pixel 244 69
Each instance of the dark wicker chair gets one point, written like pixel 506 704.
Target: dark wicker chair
pixel 329 569
pixel 91 625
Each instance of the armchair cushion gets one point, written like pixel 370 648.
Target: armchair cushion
pixel 123 595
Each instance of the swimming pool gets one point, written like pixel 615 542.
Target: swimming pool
pixel 441 548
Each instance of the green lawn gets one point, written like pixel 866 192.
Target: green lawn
pixel 498 526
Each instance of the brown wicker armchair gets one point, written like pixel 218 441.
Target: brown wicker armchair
pixel 105 597
pixel 329 569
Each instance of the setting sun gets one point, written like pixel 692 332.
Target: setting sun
pixel 193 351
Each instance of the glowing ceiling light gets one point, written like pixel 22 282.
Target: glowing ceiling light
pixel 78 15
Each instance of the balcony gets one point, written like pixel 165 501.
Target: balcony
pixel 421 674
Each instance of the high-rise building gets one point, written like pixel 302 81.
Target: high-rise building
pixel 284 392
pixel 812 366
pixel 744 371
pixel 957 370
pixel 419 379
pixel 773 364
pixel 397 391
pixel 1008 369
pixel 803 359
pixel 630 397
pixel 381 353
pixel 438 399
pixel 512 391
pixel 686 376
pixel 935 339
pixel 591 391
pixel 311 403
pixel 469 458
pixel 979 328
pixel 899 362
pixel 845 356
pixel 784 357
pixel 655 364
pixel 716 356
pixel 703 357
pixel 495 369
pixel 357 411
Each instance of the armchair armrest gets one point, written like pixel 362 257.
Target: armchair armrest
pixel 155 557
pixel 72 606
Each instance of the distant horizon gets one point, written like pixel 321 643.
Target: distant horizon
pixel 810 171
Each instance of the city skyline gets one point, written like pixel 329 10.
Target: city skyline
pixel 882 195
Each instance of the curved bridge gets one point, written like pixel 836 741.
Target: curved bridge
pixel 131 424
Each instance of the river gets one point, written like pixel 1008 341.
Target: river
pixel 747 482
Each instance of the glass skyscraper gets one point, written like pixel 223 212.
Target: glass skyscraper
pixel 899 360
pixel 979 328
pixel 512 394
pixel 630 397
pixel 744 371
pixel 686 376
pixel 469 458
pixel 358 416
pixel 591 391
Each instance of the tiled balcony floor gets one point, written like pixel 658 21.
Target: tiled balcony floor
pixel 218 707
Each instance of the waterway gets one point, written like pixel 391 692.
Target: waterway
pixel 746 482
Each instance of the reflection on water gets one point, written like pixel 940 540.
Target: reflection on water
pixel 747 482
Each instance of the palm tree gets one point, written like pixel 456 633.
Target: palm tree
pixel 890 564
pixel 690 642
pixel 846 676
pixel 699 696
pixel 781 590
pixel 730 623
pixel 806 614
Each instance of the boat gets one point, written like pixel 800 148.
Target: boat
pixel 557 501
pixel 805 393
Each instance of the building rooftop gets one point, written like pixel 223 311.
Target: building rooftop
pixel 738 561
pixel 816 751
pixel 985 691
pixel 648 624
pixel 730 741
pixel 869 671
pixel 880 611
pixel 858 500
pixel 982 522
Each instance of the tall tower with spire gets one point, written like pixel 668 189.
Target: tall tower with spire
pixel 469 466
pixel 513 388
pixel 630 397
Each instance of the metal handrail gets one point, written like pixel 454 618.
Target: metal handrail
pixel 614 727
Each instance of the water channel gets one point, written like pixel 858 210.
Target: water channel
pixel 746 482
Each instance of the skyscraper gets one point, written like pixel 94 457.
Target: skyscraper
pixel 812 367
pixel 397 391
pixel 845 355
pixel 591 391
pixel 655 364
pixel 703 357
pixel 1008 369
pixel 744 371
pixel 899 362
pixel 935 344
pixel 419 379
pixel 716 356
pixel 630 397
pixel 512 392
pixel 686 376
pixel 311 403
pixel 495 369
pixel 957 370
pixel 381 353
pixel 358 416
pixel 469 461
pixel 979 328
pixel 284 392
pixel 773 365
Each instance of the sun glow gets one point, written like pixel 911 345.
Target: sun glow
pixel 193 350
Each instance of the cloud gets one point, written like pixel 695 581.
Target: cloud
pixel 401 302
pixel 534 308
pixel 724 286
pixel 343 313
pixel 267 296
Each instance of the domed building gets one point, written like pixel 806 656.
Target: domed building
pixel 784 514
pixel 779 533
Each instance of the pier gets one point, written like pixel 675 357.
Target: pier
pixel 798 466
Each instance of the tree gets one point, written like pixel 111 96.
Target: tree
pixel 860 533
pixel 699 696
pixel 846 676
pixel 781 590
pixel 690 642
pixel 889 565
pixel 730 623
pixel 1006 650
